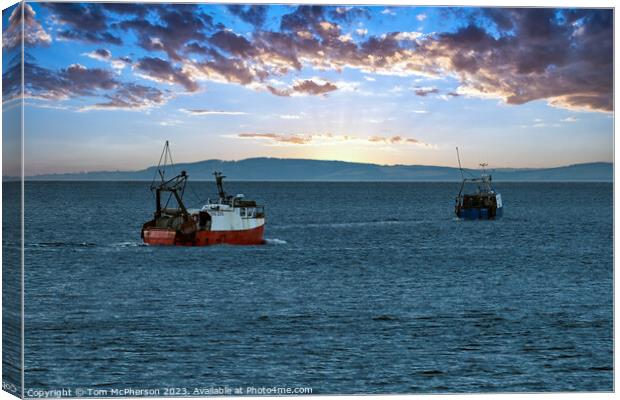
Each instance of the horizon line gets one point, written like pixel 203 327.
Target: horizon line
pixel 308 159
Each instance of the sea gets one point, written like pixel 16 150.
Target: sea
pixel 360 288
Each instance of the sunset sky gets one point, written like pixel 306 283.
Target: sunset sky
pixel 107 84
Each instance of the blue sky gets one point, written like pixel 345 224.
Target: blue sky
pixel 106 85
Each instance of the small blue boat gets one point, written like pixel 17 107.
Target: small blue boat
pixel 483 203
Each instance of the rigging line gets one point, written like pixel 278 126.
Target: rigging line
pixel 168 201
pixel 184 186
pixel 199 200
pixel 191 188
pixel 158 165
pixel 166 158
pixel 458 156
pixel 174 170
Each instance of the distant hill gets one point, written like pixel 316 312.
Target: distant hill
pixel 279 169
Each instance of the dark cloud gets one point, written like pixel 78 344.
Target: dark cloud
pixel 570 65
pixel 12 81
pixel 73 81
pixel 163 71
pixel 178 25
pixel 134 9
pixel 159 27
pixel 304 87
pixel 85 81
pixel 83 21
pixel 196 48
pixel 304 18
pixel 233 44
pixel 252 14
pixel 500 17
pixel 279 92
pixel 221 68
pixel 131 96
pixel 425 91
pixel 79 81
pixel 103 53
pixel 310 87
pixel 31 30
pixel 517 54
pixel 282 49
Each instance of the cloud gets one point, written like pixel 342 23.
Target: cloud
pixel 83 21
pixel 290 116
pixel 159 70
pixel 291 139
pixel 74 81
pixel 448 96
pixel 177 25
pixel 131 96
pixel 518 55
pixel 541 57
pixel 303 18
pixel 569 119
pixel 393 140
pixel 328 138
pixel 120 62
pixel 105 55
pixel 232 44
pixel 34 34
pixel 311 87
pixel 388 11
pixel 100 54
pixel 408 35
pixel 253 14
pixel 425 91
pixel 210 112
pixel 421 17
pixel 304 87
pixel 79 81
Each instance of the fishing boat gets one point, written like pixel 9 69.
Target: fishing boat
pixel 225 220
pixel 483 203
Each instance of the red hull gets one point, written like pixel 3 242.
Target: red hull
pixel 168 237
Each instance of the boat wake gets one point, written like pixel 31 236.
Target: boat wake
pixel 60 244
pixel 275 241
pixel 79 245
pixel 129 244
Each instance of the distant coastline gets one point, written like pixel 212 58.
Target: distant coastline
pixel 282 169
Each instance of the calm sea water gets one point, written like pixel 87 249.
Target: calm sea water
pixel 362 288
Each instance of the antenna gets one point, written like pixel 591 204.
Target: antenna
pixel 459 158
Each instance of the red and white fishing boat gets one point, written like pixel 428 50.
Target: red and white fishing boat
pixel 227 220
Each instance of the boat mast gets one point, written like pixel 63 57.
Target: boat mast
pixel 175 185
pixel 459 158
pixel 483 166
pixel 486 178
pixel 220 186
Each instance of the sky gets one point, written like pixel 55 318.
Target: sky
pixel 107 83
